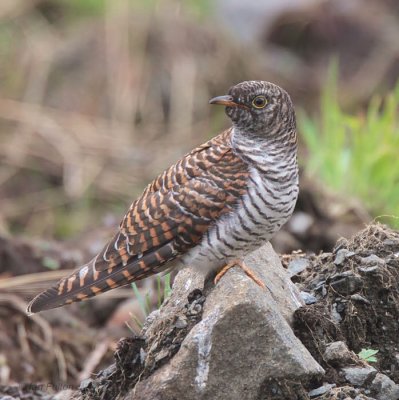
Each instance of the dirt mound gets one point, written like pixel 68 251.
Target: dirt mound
pixel 356 299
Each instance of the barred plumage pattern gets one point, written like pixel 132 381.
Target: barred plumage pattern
pixel 218 202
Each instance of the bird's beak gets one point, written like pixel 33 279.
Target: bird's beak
pixel 224 101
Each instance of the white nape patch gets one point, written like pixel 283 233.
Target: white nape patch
pixel 204 343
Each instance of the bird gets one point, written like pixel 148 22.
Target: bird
pixel 219 202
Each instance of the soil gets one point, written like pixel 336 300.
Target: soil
pixel 357 292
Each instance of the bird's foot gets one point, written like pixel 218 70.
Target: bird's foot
pixel 242 265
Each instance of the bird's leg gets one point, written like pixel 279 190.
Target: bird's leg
pixel 242 265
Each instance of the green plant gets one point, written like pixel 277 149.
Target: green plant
pixel 368 355
pixel 356 154
pixel 146 306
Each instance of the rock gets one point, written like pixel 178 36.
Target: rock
pixel 384 388
pixel 308 298
pixel 243 339
pixel 321 390
pixel 297 265
pixel 359 298
pixel 338 354
pixel 346 283
pixel 372 260
pixel 342 255
pixel 369 270
pixel 335 315
pixel 359 376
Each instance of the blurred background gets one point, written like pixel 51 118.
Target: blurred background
pixel 99 96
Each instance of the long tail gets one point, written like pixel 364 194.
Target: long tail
pixel 91 280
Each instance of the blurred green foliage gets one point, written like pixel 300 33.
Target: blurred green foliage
pixel 84 8
pixel 356 154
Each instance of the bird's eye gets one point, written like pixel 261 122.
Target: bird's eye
pixel 259 102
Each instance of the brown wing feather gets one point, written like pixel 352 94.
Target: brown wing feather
pixel 170 217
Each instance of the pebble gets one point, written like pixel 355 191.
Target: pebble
pixel 359 375
pixel 181 322
pixel 369 270
pixel 338 354
pixel 86 384
pixel 308 298
pixel 359 298
pixel 297 265
pixel 321 390
pixel 342 255
pixel 335 315
pixel 372 261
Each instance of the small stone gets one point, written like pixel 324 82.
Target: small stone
pixel 297 265
pixel 342 255
pixel 181 322
pixel 372 260
pixel 308 298
pixel 86 384
pixel 346 283
pixel 335 315
pixel 338 354
pixel 359 298
pixel 369 270
pixel 194 309
pixel 384 388
pixel 321 390
pixel 357 376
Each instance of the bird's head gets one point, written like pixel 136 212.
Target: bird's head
pixel 258 107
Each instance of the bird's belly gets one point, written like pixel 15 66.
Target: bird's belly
pixel 260 214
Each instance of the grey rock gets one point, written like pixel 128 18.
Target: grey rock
pixel 384 388
pixel 243 339
pixel 335 315
pixel 338 354
pixel 358 376
pixel 369 270
pixel 308 298
pixel 342 255
pixel 297 265
pixel 359 298
pixel 372 260
pixel 321 390
pixel 181 322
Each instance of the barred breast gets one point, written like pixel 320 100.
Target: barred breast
pixel 268 203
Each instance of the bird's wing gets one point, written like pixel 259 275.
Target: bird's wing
pixel 169 218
